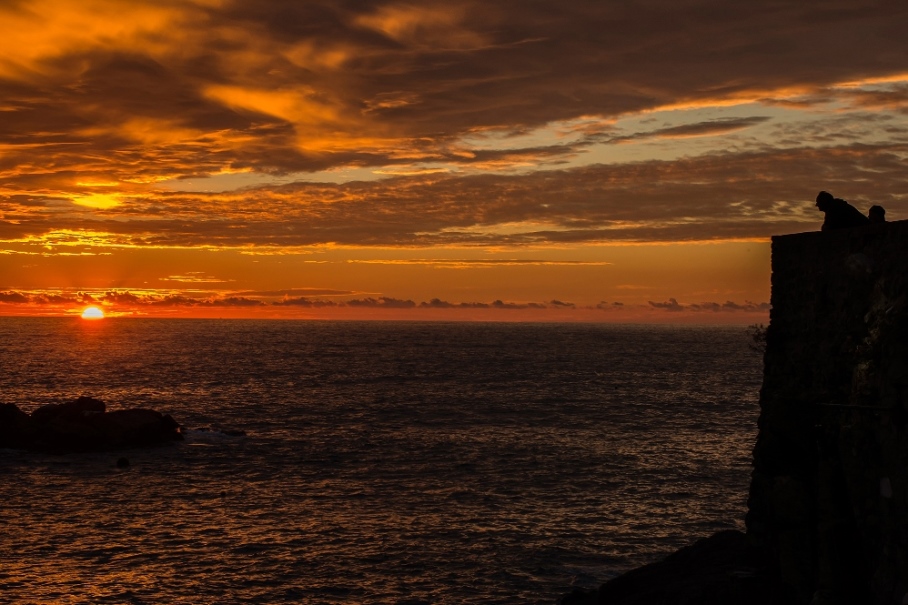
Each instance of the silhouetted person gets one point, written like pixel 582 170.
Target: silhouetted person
pixel 839 213
pixel 877 214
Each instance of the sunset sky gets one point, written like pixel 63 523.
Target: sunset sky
pixel 501 160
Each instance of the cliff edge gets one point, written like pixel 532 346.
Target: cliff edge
pixel 829 493
pixel 827 519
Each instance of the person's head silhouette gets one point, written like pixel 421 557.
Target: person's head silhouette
pixel 824 200
pixel 877 214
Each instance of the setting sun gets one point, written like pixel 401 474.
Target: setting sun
pixel 92 313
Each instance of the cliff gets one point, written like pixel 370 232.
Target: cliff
pixel 829 492
pixel 827 520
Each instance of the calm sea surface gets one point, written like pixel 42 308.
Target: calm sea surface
pixel 395 463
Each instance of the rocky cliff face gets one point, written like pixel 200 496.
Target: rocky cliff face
pixel 829 494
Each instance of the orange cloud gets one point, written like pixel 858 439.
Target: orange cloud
pixel 714 197
pixel 509 127
pixel 435 27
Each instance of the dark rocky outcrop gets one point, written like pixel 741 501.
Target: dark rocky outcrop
pixel 16 427
pixel 720 570
pixel 82 425
pixel 829 492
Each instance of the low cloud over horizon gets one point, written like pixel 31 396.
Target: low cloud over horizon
pixel 125 302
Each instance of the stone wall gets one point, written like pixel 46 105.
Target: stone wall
pixel 829 493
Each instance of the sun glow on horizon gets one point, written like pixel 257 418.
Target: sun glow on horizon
pixel 92 313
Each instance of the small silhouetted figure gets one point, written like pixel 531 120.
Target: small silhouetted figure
pixel 877 214
pixel 839 213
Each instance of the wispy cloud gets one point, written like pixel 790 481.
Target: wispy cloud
pixel 698 129
pixel 712 197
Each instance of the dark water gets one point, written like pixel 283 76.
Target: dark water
pixel 384 462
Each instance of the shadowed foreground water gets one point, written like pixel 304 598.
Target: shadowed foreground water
pixel 384 462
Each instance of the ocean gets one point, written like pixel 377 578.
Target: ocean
pixel 383 462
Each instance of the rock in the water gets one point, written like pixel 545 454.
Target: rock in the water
pixel 83 406
pixel 84 425
pixel 63 433
pixel 16 427
pixel 136 428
